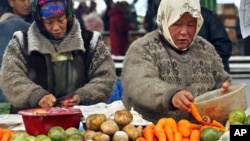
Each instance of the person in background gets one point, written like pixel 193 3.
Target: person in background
pixel 11 22
pixel 214 31
pixel 132 15
pixel 150 17
pixel 167 68
pixel 80 12
pixel 119 28
pixel 93 20
pixel 21 8
pixel 92 7
pixel 105 16
pixel 55 63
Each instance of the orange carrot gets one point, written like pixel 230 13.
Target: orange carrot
pixel 159 129
pixel 148 132
pixel 169 132
pixel 183 126
pixel 1 133
pixel 177 136
pixel 172 123
pixel 194 126
pixel 141 139
pixel 161 121
pixel 195 135
pixel 185 139
pixel 216 123
pixel 195 113
pixel 206 120
pixel 6 135
pixel 160 133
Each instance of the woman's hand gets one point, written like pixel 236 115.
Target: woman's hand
pixel 182 100
pixel 225 86
pixel 69 102
pixel 48 100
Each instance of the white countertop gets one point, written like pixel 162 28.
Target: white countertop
pixel 15 122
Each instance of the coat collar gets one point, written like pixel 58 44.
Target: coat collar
pixel 38 42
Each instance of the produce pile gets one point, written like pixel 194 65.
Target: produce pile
pixel 235 117
pixel 99 127
pixel 168 129
pixel 6 134
pixel 56 133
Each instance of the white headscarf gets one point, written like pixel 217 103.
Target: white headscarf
pixel 170 11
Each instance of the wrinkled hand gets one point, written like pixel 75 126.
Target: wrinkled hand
pixel 182 100
pixel 225 86
pixel 47 101
pixel 69 102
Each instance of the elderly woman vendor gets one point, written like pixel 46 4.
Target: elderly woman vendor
pixel 167 68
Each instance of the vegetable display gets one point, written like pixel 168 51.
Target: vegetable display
pixel 120 127
pixel 168 129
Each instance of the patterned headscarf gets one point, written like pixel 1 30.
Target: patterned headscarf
pixel 170 11
pixel 52 9
pixel 39 11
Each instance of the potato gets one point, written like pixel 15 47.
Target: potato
pixel 123 117
pixel 99 136
pixel 132 132
pixel 120 136
pixel 109 127
pixel 88 135
pixel 94 121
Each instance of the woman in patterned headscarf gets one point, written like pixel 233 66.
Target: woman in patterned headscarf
pixel 167 68
pixel 56 62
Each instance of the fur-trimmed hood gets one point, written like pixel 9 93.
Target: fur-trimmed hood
pixel 38 42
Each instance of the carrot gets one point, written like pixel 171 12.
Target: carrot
pixel 141 139
pixel 172 123
pixel 195 113
pixel 185 139
pixel 216 123
pixel 161 121
pixel 6 135
pixel 183 126
pixel 159 129
pixel 160 133
pixel 206 120
pixel 194 126
pixel 1 133
pixel 169 132
pixel 148 132
pixel 195 135
pixel 177 136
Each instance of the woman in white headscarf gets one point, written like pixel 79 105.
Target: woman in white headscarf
pixel 167 68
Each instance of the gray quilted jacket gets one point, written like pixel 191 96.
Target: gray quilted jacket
pixel 23 93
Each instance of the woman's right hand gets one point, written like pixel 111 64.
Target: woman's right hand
pixel 48 100
pixel 182 100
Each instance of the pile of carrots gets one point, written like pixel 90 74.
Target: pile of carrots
pixel 6 134
pixel 168 129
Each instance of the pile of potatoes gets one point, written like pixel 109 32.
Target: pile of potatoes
pixel 119 128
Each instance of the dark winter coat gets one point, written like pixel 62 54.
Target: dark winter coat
pixel 214 31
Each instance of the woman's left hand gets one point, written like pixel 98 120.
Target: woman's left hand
pixel 69 102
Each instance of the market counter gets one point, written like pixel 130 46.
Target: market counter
pixel 14 122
